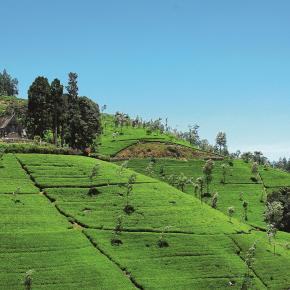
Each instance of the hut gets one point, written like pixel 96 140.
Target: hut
pixel 10 128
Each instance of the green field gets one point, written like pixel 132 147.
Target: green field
pixel 71 231
pixel 35 236
pixel 238 180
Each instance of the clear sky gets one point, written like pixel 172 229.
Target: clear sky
pixel 222 64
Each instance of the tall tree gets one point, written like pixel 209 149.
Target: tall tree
pixel 89 126
pixel 38 107
pixel 221 141
pixel 8 85
pixel 73 114
pixel 56 104
pixel 207 171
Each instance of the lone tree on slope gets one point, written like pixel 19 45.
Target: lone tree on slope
pixel 221 141
pixel 231 211
pixel 207 171
pixel 224 168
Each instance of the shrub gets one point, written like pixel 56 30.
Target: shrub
pixel 116 241
pixel 254 179
pixel 129 209
pixel 162 243
pixel 35 148
pixel 93 191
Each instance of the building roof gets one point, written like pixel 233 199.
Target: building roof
pixel 4 121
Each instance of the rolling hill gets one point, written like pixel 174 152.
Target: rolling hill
pixel 54 225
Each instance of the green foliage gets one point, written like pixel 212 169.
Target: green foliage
pixel 116 241
pixel 28 280
pixel 249 261
pixel 35 148
pixel 214 200
pixel 57 107
pixel 208 171
pixel 271 233
pixel 278 208
pixel 129 209
pixel 245 207
pixel 95 171
pixel 255 169
pixel 224 168
pixel 38 115
pixel 162 242
pixel 274 213
pixel 74 120
pixel 8 85
pixel 231 211
pixel 221 142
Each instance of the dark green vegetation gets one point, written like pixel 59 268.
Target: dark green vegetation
pixel 203 249
pixel 9 104
pixel 8 84
pixel 73 120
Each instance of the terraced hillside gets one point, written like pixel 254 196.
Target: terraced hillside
pixel 116 141
pixel 239 185
pixel 35 236
pixel 64 232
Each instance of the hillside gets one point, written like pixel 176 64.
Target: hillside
pixel 139 142
pixel 238 187
pixel 55 225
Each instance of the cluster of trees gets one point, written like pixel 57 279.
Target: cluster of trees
pixel 158 126
pixel 122 119
pixel 278 209
pixel 283 164
pixel 192 136
pixel 8 84
pixel 256 156
pixel 74 121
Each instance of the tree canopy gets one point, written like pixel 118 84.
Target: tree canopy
pixel 8 84
pixel 75 120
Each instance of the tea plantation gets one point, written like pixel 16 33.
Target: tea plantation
pixel 239 184
pixel 65 219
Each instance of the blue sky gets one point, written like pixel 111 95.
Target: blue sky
pixel 222 64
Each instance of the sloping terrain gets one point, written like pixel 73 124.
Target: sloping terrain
pixel 115 139
pixel 205 249
pixel 238 186
pixel 35 236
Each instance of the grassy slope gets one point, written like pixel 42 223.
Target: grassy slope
pixel 238 179
pixel 131 136
pixel 35 236
pixel 205 250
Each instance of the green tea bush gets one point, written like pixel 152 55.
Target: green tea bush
pixel 35 148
